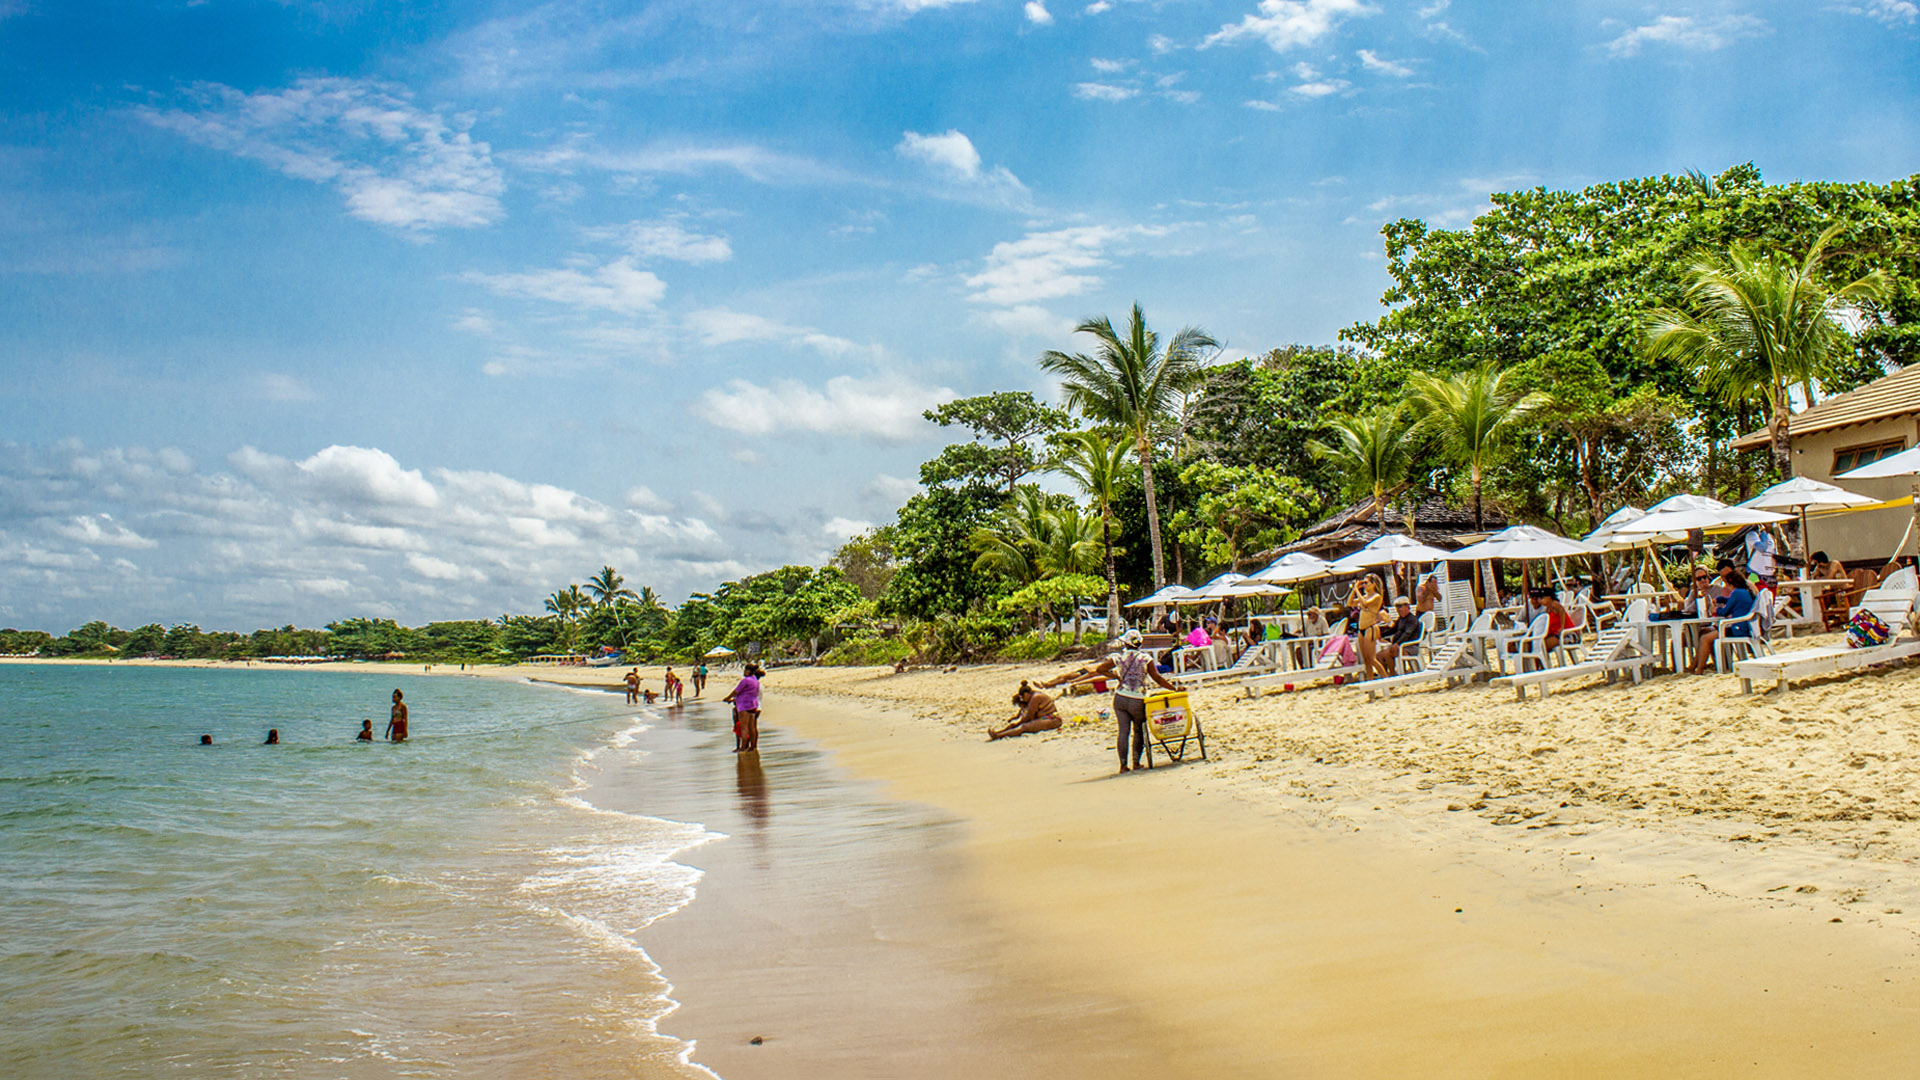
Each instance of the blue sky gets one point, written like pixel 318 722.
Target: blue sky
pixel 422 310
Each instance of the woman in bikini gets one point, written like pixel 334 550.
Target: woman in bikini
pixel 1037 712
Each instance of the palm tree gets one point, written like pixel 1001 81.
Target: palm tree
pixel 1132 383
pixel 1094 463
pixel 1373 453
pixel 1470 414
pixel 1764 323
pixel 568 603
pixel 1068 543
pixel 1010 543
pixel 608 586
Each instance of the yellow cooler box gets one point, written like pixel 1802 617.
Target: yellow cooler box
pixel 1169 715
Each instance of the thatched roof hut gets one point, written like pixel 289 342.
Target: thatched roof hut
pixel 1426 516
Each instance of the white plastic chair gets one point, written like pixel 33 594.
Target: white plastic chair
pixel 1754 643
pixel 1530 646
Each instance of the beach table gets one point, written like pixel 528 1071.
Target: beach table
pixel 1675 636
pixel 1809 590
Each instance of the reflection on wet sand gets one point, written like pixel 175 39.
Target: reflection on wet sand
pixel 752 780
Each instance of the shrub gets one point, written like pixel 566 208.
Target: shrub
pixel 867 652
pixel 1037 647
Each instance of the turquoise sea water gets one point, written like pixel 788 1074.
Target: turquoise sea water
pixel 447 907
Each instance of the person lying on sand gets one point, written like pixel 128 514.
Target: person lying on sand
pixel 1037 713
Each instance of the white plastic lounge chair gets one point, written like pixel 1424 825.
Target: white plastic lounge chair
pixel 1252 661
pixel 1454 662
pixel 1530 646
pixel 1619 649
pixel 1892 601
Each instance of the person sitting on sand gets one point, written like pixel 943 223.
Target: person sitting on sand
pixel 1403 635
pixel 1737 604
pixel 366 732
pixel 397 722
pixel 1037 712
pixel 273 737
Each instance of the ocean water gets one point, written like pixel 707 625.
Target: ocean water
pixel 324 908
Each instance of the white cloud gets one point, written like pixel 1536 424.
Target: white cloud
pixel 1048 265
pixel 100 530
pixel 1095 91
pixel 840 528
pixel 756 163
pixel 1263 106
pixel 343 531
pixel 1161 44
pixel 642 497
pixel 1030 321
pixel 1099 7
pixel 883 409
pixel 1038 14
pixel 893 490
pixel 615 286
pixel 1110 67
pixel 474 321
pixel 395 163
pixel 668 239
pixel 1687 32
pixel 1290 24
pixel 362 474
pixel 953 157
pixel 1375 63
pixel 1320 88
pixel 721 326
pixel 1891 12
pixel 951 152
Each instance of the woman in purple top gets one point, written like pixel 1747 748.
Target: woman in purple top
pixel 745 699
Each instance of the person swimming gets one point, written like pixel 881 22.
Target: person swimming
pixel 206 740
pixel 366 732
pixel 273 737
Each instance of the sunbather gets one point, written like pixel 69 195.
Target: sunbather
pixel 1367 599
pixel 1037 713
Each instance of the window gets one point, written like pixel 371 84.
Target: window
pixel 1855 456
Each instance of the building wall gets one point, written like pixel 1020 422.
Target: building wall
pixel 1868 536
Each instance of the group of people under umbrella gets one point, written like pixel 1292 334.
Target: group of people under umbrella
pixel 1630 532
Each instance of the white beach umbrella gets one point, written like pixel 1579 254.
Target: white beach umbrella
pixel 1297 567
pixel 1525 542
pixel 1166 597
pixel 1218 588
pixel 1904 463
pixel 1241 589
pixel 1391 548
pixel 1673 519
pixel 1606 535
pixel 1801 494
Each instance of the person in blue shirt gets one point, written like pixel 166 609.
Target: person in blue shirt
pixel 1736 604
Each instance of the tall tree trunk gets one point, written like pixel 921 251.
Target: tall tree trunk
pixel 1113 583
pixel 1782 448
pixel 1479 520
pixel 1145 450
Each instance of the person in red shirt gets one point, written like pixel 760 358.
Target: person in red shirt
pixel 1558 618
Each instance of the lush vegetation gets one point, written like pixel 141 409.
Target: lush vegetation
pixel 1567 353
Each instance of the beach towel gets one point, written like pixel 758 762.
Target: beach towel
pixel 1339 646
pixel 1865 630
